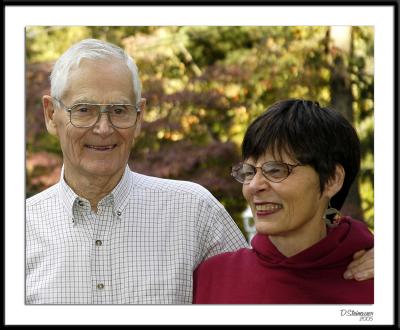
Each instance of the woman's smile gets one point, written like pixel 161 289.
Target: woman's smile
pixel 267 208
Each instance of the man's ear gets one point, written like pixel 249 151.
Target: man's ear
pixel 335 182
pixel 49 114
pixel 142 105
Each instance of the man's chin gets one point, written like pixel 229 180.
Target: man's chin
pixel 102 169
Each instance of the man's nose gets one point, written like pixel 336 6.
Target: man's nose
pixel 103 125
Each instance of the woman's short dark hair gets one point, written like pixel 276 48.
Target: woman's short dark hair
pixel 312 135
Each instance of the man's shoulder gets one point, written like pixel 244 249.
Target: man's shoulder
pixel 41 197
pixel 170 186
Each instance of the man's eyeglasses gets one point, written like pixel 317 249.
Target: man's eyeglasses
pixel 273 171
pixel 85 115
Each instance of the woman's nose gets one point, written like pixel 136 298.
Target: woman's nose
pixel 258 182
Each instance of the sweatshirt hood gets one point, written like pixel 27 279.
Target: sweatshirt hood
pixel 336 248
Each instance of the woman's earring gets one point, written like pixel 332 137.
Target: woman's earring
pixel 332 216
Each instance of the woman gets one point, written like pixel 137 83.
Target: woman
pixel 299 163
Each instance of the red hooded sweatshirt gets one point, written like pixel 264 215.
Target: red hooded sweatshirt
pixel 262 275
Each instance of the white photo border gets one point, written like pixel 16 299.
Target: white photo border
pixel 18 17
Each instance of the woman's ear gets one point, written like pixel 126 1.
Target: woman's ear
pixel 49 114
pixel 335 182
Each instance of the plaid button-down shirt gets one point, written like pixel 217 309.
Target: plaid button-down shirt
pixel 141 247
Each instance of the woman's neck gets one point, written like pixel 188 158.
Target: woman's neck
pixel 292 243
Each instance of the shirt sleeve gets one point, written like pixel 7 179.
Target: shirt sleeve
pixel 216 231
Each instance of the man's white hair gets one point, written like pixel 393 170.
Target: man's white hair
pixel 90 49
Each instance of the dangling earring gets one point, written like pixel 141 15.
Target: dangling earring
pixel 332 216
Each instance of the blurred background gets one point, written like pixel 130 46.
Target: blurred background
pixel 204 85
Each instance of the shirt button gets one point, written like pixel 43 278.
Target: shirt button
pixel 100 286
pixel 119 213
pixel 99 243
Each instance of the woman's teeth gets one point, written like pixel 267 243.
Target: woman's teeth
pixel 268 207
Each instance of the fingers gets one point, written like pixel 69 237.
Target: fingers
pixel 358 254
pixel 366 275
pixel 364 271
pixel 359 258
pixel 360 269
pixel 348 275
pixel 366 265
pixel 362 266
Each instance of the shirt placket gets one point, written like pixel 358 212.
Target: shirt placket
pixel 101 260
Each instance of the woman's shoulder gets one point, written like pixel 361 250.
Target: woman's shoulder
pixel 353 234
pixel 224 261
pixel 355 225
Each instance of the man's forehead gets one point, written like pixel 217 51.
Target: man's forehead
pixel 93 100
pixel 99 81
pixel 100 62
pixel 108 68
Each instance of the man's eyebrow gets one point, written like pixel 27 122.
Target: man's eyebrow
pixel 83 100
pixel 91 101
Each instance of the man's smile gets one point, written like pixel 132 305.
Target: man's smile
pixel 101 147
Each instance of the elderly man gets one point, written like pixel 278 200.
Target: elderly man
pixel 104 234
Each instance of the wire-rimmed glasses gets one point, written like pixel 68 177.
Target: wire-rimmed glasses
pixel 273 171
pixel 85 115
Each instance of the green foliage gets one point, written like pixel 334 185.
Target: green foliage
pixel 362 68
pixel 45 44
pixel 204 85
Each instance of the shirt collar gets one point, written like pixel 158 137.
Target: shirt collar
pixel 120 194
pixel 123 189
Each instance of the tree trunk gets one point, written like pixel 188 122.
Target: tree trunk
pixel 342 99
